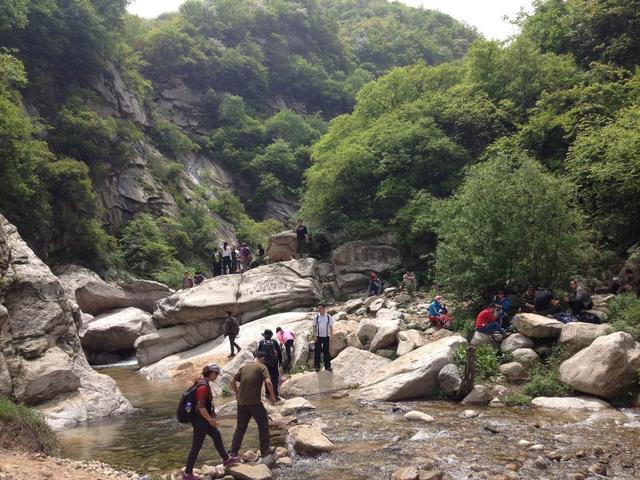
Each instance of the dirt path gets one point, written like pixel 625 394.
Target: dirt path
pixel 29 466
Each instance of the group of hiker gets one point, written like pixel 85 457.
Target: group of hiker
pixel 409 284
pixel 196 405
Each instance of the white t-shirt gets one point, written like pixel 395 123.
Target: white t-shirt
pixel 226 251
pixel 323 324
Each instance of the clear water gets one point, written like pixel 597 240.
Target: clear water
pixel 372 440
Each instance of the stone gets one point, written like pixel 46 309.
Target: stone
pixel 526 356
pixel 601 302
pixel 354 341
pixel 376 305
pixel 402 298
pixel 365 257
pixel 341 331
pixel 352 282
pixel 283 247
pixel 605 368
pixel 516 341
pixel 352 305
pixel 414 375
pixel 250 472
pixel 117 330
pixel 449 379
pixel 422 435
pixel 481 339
pixel 408 340
pixel 386 334
pixel 41 359
pixel 95 298
pixel 229 409
pixel 406 473
pixel 280 286
pixel 579 335
pixel 350 368
pixel 570 403
pixel 340 316
pixel 250 456
pixel 514 372
pixel 297 405
pixel 537 326
pixel 480 395
pixel 284 462
pixel 73 277
pixel 369 300
pixel 309 441
pixel 469 414
pixel 415 416
pixel 601 316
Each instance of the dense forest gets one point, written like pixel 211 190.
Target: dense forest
pixel 137 145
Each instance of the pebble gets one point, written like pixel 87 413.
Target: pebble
pixel 578 476
pixel 536 447
pixel 523 443
pixel 598 469
pixel 514 467
pixel 554 456
pixel 540 462
pixel 469 414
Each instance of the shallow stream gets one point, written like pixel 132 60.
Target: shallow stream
pixel 372 440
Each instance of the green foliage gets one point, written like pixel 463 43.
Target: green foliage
pixel 226 391
pixel 545 382
pixel 463 325
pixel 624 314
pixel 516 399
pixel 488 361
pixel 510 223
pixel 170 139
pixel 25 428
pixel 144 248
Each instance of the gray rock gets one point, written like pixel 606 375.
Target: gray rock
pixel 408 340
pixel 364 257
pixel 352 282
pixel 514 372
pixel 449 379
pixel 73 277
pixel 527 356
pixel 537 326
pixel 309 441
pixel 283 247
pixel 570 403
pixel 578 335
pixel 250 472
pixel 481 339
pixel 117 330
pixel 516 341
pixel 376 305
pixel 297 405
pixel 341 331
pixel 352 305
pixel 415 416
pixel 98 297
pixel 480 395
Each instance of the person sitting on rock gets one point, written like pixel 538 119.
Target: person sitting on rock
pixel 272 359
pixel 409 282
pixel 187 281
pixel 529 300
pixel 505 304
pixel 438 313
pixel 198 278
pixel 204 422
pixel 488 321
pixel 375 285
pixel 286 339
pixel 579 298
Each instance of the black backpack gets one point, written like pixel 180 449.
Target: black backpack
pixel 270 353
pixel 187 403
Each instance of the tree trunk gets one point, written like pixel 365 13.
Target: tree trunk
pixel 469 374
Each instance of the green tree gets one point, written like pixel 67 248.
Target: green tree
pixel 510 223
pixel 144 248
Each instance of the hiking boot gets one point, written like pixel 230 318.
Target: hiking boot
pixel 231 356
pixel 231 460
pixel 329 369
pixel 317 369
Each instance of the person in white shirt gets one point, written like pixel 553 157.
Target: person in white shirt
pixel 226 258
pixel 323 330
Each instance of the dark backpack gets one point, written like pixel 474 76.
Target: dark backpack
pixel 187 403
pixel 270 352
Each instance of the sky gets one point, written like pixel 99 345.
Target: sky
pixel 486 15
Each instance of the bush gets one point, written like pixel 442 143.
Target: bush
pixel 517 399
pixel 488 361
pixel 545 382
pixel 624 313
pixel 170 139
pixel 464 326
pixel 24 428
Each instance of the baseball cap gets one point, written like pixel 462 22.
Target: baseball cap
pixel 211 368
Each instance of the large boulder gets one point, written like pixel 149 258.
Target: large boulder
pixel 516 341
pixel 537 326
pixel 578 335
pixel 309 441
pixel 41 359
pixel 389 327
pixel 352 282
pixel 250 472
pixel 605 368
pixel 570 403
pixel 73 277
pixel 449 379
pixel 408 340
pixel 414 375
pixel 364 257
pixel 283 247
pixel 480 395
pixel 349 370
pixel 117 330
pixel 341 332
pixel 281 286
pixel 98 297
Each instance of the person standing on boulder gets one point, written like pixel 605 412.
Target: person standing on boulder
pixel 286 339
pixel 323 331
pixel 231 330
pixel 187 281
pixel 204 422
pixel 248 396
pixel 301 237
pixel 226 258
pixel 272 359
pixel 217 263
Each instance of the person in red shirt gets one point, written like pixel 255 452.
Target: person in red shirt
pixel 204 422
pixel 487 321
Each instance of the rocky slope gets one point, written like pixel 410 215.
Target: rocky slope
pixel 41 358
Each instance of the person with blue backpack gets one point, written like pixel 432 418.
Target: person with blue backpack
pixel 196 407
pixel 272 359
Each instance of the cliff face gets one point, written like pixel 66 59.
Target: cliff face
pixel 41 359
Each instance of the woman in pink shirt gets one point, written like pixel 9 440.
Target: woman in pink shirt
pixel 286 338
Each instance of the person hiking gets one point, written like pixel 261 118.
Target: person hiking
pixel 438 313
pixel 226 258
pixel 272 359
pixel 204 422
pixel 217 262
pixel 245 256
pixel 488 321
pixel 248 397
pixel 187 281
pixel 286 339
pixel 579 298
pixel 323 331
pixel 375 285
pixel 234 260
pixel 231 330
pixel 301 238
pixel 198 278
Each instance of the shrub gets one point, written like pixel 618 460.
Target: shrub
pixel 545 382
pixel 624 313
pixel 517 399
pixel 22 427
pixel 464 326
pixel 170 139
pixel 488 360
pixel 226 391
